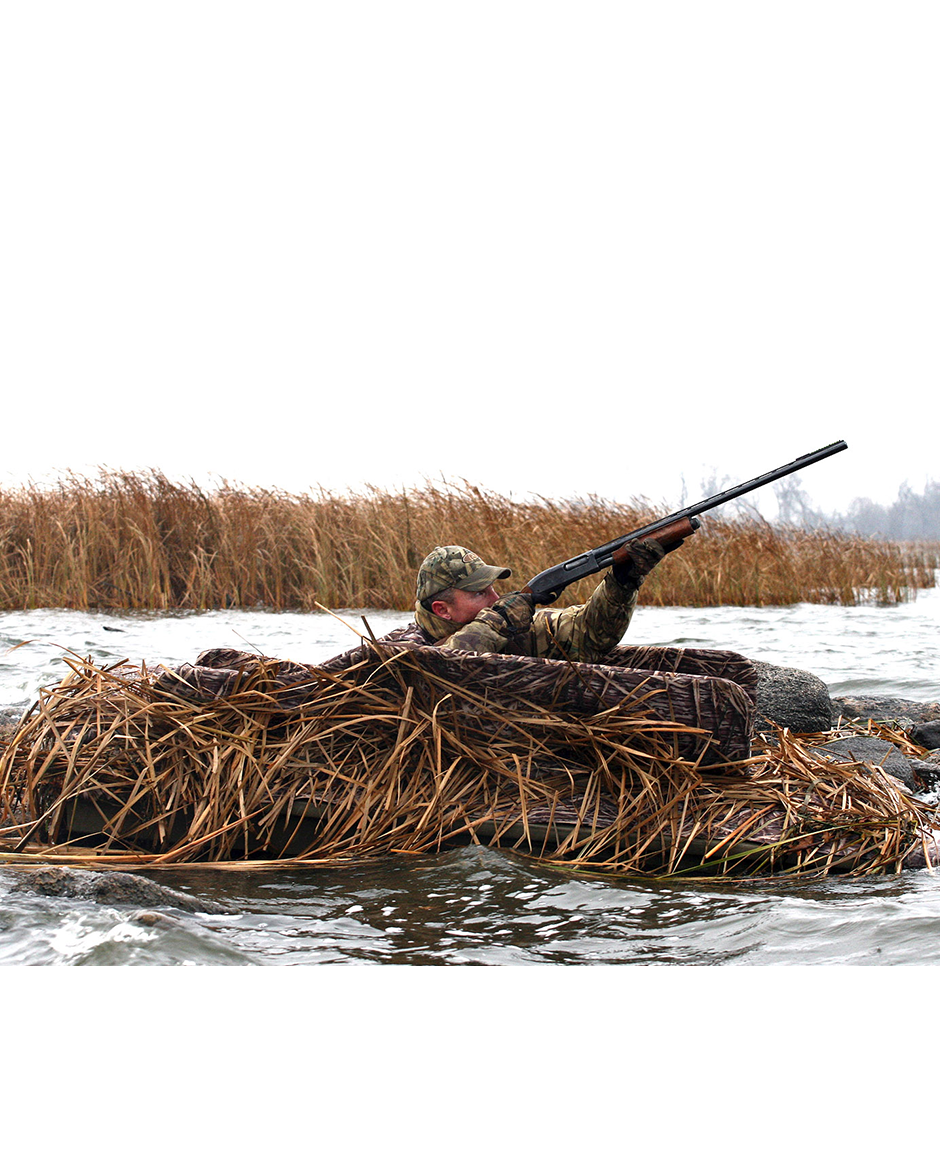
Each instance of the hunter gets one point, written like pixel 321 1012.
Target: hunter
pixel 457 607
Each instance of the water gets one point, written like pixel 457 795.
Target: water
pixel 478 907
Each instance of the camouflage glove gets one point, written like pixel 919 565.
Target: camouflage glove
pixel 641 558
pixel 516 610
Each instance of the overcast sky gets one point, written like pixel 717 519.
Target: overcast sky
pixel 553 248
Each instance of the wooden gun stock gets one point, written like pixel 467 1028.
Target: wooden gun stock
pixel 669 536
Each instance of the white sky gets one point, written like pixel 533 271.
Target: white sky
pixel 558 248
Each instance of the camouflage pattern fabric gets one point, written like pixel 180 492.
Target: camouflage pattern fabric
pixel 222 672
pixel 579 633
pixel 711 690
pixel 454 567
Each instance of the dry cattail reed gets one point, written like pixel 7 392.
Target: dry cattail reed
pixel 140 541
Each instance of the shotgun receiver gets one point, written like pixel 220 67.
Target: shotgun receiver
pixel 668 531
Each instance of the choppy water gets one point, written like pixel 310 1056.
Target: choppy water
pixel 479 907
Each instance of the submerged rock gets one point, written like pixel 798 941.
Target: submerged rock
pixel 153 919
pixel 108 888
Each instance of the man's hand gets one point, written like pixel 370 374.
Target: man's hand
pixel 516 610
pixel 636 560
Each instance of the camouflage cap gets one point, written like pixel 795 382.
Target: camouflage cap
pixel 453 567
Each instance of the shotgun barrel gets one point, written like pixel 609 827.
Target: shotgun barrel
pixel 669 531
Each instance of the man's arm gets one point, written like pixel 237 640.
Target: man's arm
pixel 586 632
pixel 580 632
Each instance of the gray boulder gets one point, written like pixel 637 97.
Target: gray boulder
pixel 877 752
pixel 792 698
pixel 927 734
pixel 885 709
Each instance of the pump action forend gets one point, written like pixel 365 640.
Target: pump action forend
pixel 669 531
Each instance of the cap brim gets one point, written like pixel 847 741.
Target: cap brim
pixel 484 578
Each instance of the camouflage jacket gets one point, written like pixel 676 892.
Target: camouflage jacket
pixel 579 633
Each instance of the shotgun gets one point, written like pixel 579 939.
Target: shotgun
pixel 669 531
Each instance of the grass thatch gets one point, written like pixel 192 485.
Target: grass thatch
pixel 389 759
pixel 140 541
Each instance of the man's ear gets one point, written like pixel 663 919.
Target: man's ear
pixel 441 609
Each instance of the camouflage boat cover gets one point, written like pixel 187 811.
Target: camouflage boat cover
pixel 710 691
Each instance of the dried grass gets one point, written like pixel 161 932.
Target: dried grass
pixel 140 541
pixel 389 759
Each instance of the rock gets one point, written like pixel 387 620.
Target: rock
pixel 10 716
pixel 884 708
pixel 153 919
pixel 875 751
pixel 926 775
pixel 110 888
pixel 927 734
pixel 792 698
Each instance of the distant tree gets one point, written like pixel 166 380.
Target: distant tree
pixel 794 506
pixel 911 516
pixel 866 518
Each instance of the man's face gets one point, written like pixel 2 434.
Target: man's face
pixel 465 605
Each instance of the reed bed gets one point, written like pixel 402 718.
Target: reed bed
pixel 140 541
pixel 115 767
